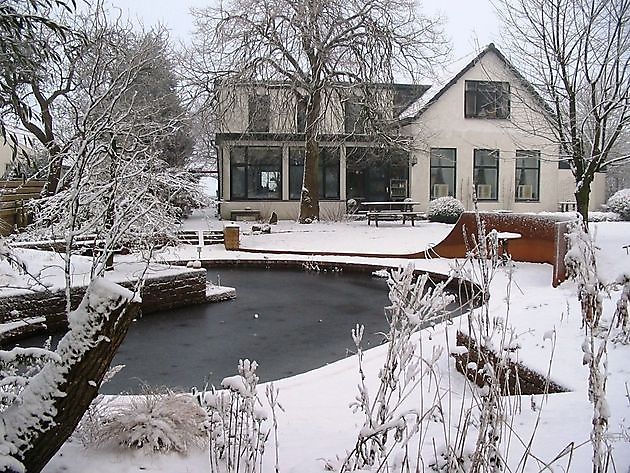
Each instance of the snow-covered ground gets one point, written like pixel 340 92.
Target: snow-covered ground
pixel 45 270
pixel 318 426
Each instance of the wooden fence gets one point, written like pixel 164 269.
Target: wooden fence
pixel 13 198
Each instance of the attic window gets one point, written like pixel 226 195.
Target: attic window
pixel 486 99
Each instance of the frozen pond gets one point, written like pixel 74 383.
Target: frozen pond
pixel 289 321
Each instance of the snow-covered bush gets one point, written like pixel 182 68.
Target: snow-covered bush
pixel 619 203
pixel 603 217
pixel 445 209
pixel 159 422
pixel 236 431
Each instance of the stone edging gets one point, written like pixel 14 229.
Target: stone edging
pixel 45 311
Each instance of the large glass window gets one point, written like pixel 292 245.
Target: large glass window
pixel 258 108
pixel 443 161
pixel 255 172
pixel 527 175
pixel 486 173
pixel 376 174
pixel 328 172
pixel 485 99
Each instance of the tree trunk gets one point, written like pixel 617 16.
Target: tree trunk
pixel 54 169
pixel 309 198
pixel 583 197
pixel 71 384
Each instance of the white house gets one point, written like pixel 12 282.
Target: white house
pixel 485 131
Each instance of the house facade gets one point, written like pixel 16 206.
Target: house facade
pixel 485 132
pixel 260 149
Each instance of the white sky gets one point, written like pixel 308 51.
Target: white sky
pixel 470 24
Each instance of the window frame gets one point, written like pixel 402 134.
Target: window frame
pixel 355 119
pixel 256 116
pixel 452 190
pixel 301 106
pixel 495 167
pixel 524 154
pixel 246 166
pixel 327 165
pixel 474 94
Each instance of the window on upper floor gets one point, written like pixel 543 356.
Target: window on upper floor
pixel 486 174
pixel 300 114
pixel 258 107
pixel 527 175
pixel 486 99
pixel 355 116
pixel 443 162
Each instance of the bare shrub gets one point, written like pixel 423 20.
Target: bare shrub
pixel 236 428
pixel 158 422
pixel 333 213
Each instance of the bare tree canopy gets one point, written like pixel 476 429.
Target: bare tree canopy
pixel 314 46
pixel 577 55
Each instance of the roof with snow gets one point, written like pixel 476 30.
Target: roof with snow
pixel 418 107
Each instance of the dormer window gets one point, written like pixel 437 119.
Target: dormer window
pixel 486 99
pixel 259 106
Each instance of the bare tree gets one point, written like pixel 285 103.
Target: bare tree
pixel 26 30
pixel 115 186
pixel 314 47
pixel 577 55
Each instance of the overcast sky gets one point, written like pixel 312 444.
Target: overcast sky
pixel 470 24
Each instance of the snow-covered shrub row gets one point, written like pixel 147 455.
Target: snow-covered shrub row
pixel 159 422
pixel 603 217
pixel 619 203
pixel 445 209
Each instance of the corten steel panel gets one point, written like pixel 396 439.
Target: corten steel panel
pixel 542 238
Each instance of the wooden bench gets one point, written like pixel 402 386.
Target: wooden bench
pixel 390 215
pixel 567 206
pixel 245 215
pixel 14 196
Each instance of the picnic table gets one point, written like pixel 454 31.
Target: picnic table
pixel 503 239
pixel 393 210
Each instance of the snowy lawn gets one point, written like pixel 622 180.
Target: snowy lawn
pixel 343 237
pixel 317 424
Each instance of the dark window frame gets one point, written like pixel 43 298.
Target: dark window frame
pixel 527 154
pixel 453 190
pixel 355 116
pixel 479 96
pixel 327 166
pixel 246 166
pixel 301 106
pixel 258 108
pixel 478 167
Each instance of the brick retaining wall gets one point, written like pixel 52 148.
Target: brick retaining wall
pixel 159 293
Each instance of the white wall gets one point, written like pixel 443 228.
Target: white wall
pixel 233 113
pixel 443 125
